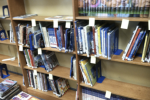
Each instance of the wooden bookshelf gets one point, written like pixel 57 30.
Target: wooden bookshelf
pixel 122 89
pixel 118 58
pixel 17 78
pixel 7 42
pixel 12 63
pixel 49 95
pixel 135 19
pixel 59 71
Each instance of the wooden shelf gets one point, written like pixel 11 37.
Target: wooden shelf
pixel 114 18
pixel 122 89
pixel 17 78
pixel 54 49
pixel 7 42
pixel 69 95
pixel 5 19
pixel 59 71
pixel 118 58
pixel 12 63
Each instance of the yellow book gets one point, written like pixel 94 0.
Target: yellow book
pixel 83 63
pixel 99 40
pixel 145 47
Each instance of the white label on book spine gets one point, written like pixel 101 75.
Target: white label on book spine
pixel 50 76
pixel 108 94
pixel 125 24
pixel 148 24
pixel 20 47
pixel 33 22
pixel 93 59
pixel 35 72
pixel 55 23
pixel 91 21
pixel 68 24
pixel 39 51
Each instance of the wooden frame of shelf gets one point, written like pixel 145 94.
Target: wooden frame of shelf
pixel 17 8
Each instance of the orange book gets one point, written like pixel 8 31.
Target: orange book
pixel 132 44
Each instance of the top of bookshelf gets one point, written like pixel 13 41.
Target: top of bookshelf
pixel 114 18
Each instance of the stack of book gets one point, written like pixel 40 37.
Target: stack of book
pixel 24 96
pixel 73 71
pixel 8 88
pixel 100 40
pixel 92 94
pixel 47 59
pixel 90 72
pixel 114 8
pixel 60 18
pixel 134 44
pixel 44 35
pixel 59 86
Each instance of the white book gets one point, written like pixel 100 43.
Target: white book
pixel 102 42
pixel 128 45
pixel 46 37
pixel 35 80
pixel 96 42
pixel 83 40
pixel 39 83
pixel 74 69
pixel 84 34
pixel 87 29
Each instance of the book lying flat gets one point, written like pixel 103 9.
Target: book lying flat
pixel 3 17
pixel 60 18
pixel 24 16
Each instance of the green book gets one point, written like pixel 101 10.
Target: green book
pixel 91 71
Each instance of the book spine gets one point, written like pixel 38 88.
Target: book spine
pixel 128 45
pixel 93 29
pixel 96 42
pixel 145 47
pixel 77 40
pixel 142 3
pixel 55 32
pixel 30 58
pixel 109 48
pixel 146 9
pixel 132 44
pixel 135 45
pixel 80 40
pixel 99 41
pixel 83 40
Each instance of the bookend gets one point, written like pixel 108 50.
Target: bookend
pixel 118 52
pixel 3 35
pixel 43 66
pixel 5 7
pixel 3 67
pixel 31 41
pixel 99 78
pixel 48 85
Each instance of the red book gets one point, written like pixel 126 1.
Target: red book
pixel 93 29
pixel 132 44
pixel 29 77
pixel 62 36
pixel 55 31
pixel 30 57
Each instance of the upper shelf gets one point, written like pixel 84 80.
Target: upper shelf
pixel 118 58
pixel 122 89
pixel 5 19
pixel 12 63
pixel 114 18
pixel 59 71
pixel 7 42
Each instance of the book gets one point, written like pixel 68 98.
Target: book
pixel 24 16
pixel 52 38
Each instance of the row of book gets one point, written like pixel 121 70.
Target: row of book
pixel 91 94
pixel 114 8
pixel 8 88
pixel 100 40
pixel 24 96
pixel 43 82
pixel 47 59
pixel 90 72
pixel 133 45
pixel 73 70
pixel 44 35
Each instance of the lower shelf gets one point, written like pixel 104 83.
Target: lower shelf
pixel 17 78
pixel 69 95
pixel 12 63
pixel 122 89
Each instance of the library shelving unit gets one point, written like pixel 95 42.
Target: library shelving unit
pixel 17 7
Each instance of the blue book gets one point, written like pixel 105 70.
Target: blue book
pixel 71 46
pixel 37 40
pixel 77 39
pixel 89 42
pixel 80 39
pixel 137 44
pixel 71 67
pixel 67 40
pixel 59 40
pixel 31 41
pixel 92 44
pixel 52 38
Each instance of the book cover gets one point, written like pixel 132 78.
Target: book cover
pixel 62 36
pixel 67 40
pixel 52 38
pixel 146 8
